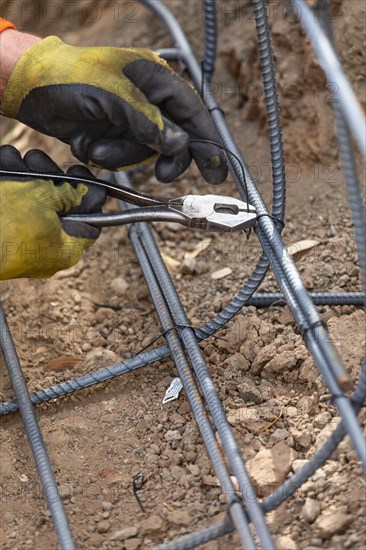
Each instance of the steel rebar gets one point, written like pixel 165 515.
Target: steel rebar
pixel 351 108
pixel 34 435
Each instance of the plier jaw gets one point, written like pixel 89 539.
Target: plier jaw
pixel 215 212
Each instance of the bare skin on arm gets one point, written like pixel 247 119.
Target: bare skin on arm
pixel 12 45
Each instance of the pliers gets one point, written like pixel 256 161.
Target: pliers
pixel 207 212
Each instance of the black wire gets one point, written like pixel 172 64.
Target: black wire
pixel 276 220
pixel 137 484
pixel 177 328
pixel 59 177
pixel 97 181
pixel 227 151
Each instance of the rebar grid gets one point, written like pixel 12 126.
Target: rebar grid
pixel 247 516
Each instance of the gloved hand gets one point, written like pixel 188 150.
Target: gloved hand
pixel 35 241
pixel 116 107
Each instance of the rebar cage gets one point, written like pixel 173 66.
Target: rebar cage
pixel 246 514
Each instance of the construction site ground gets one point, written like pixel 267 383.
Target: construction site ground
pixel 99 313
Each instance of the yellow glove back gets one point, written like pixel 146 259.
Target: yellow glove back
pixel 116 107
pixel 34 240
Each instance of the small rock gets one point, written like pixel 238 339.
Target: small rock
pixel 310 510
pixel 177 420
pixel 323 419
pixel 188 266
pixel 301 437
pixel 103 526
pixel 190 456
pixel 132 544
pixel 194 469
pixel 279 435
pixel 180 517
pixel 126 533
pixel 172 435
pixel 65 490
pixel 103 313
pixel 308 371
pixel 318 475
pixel 246 417
pixel 152 525
pixel 95 540
pixel 343 280
pixel 106 505
pixel 221 273
pixel 119 285
pixel 249 392
pixel 186 481
pixel 237 361
pixel 306 403
pixel 286 543
pixel 184 408
pixel 263 357
pixel 282 361
pixel 285 317
pixel 317 542
pixel 177 472
pixel 100 357
pixel 155 449
pixel 269 468
pixel 299 463
pixel 291 411
pixel 331 523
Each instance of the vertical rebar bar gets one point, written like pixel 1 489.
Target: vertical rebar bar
pixel 34 435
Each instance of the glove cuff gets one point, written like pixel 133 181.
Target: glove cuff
pixel 27 74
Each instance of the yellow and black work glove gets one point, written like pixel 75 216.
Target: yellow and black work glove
pixel 35 240
pixel 116 107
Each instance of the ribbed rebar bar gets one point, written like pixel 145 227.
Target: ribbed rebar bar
pixel 266 299
pixel 348 102
pixel 34 435
pixel 210 54
pixel 90 379
pixel 272 108
pixel 353 187
pixel 197 538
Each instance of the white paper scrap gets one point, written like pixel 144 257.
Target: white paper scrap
pixel 173 391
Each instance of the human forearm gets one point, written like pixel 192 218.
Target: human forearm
pixel 12 45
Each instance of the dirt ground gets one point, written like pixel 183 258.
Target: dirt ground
pixel 100 312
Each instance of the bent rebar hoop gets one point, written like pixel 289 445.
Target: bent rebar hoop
pixel 246 516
